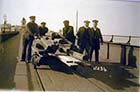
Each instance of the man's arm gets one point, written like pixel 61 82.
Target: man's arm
pixel 64 32
pixel 28 29
pixel 37 31
pixel 71 31
pixel 101 37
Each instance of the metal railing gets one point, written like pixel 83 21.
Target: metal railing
pixel 123 45
pixel 128 42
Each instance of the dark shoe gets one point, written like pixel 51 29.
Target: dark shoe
pixel 22 60
pixel 28 61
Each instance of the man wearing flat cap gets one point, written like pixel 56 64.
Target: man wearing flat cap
pixel 84 38
pixel 43 29
pixel 96 39
pixel 68 32
pixel 28 37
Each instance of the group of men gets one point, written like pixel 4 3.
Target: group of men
pixel 88 39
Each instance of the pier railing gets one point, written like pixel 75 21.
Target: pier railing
pixel 125 43
pixel 129 39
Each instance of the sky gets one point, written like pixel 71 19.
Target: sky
pixel 116 17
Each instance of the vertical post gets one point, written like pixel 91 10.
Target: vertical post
pixel 76 21
pixel 123 55
pixel 111 40
pixel 108 49
pixel 108 46
pixel 128 42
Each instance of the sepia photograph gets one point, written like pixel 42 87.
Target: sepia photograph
pixel 69 46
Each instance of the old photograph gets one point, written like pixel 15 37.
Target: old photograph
pixel 70 45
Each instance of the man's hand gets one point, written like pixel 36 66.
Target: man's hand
pixel 37 37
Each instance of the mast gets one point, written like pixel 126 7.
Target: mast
pixel 77 21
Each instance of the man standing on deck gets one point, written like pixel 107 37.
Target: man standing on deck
pixel 96 38
pixel 43 29
pixel 68 32
pixel 84 38
pixel 28 37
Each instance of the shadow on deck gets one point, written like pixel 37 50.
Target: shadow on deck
pixel 117 77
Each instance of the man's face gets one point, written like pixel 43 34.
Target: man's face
pixel 43 25
pixel 66 24
pixel 95 24
pixel 32 19
pixel 87 24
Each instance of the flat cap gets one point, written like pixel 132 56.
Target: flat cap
pixel 86 21
pixel 32 17
pixel 43 22
pixel 95 20
pixel 66 21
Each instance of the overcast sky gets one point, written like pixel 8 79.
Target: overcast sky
pixel 115 16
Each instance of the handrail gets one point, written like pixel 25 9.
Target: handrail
pixel 123 36
pixel 127 43
pixel 124 44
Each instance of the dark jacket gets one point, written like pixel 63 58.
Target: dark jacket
pixel 68 33
pixel 43 31
pixel 83 36
pixel 95 38
pixel 31 30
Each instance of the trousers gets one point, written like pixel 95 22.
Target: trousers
pixel 96 54
pixel 27 50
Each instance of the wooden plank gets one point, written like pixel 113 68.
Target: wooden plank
pixel 60 81
pixel 68 60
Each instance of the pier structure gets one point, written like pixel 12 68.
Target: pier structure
pixel 113 74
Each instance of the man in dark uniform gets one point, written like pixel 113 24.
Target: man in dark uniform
pixel 84 38
pixel 96 38
pixel 28 37
pixel 68 32
pixel 43 29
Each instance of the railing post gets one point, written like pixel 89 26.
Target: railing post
pixel 123 55
pixel 108 49
pixel 111 40
pixel 128 42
